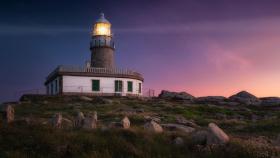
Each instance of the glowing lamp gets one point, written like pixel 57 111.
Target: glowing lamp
pixel 102 27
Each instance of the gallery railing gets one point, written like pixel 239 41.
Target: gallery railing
pixel 110 71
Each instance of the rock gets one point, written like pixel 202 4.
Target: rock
pixel 216 135
pixel 183 121
pixel 126 111
pixel 125 122
pixel 146 117
pixel 178 141
pixel 270 101
pixel 90 122
pixel 66 123
pixel 152 118
pixel 102 100
pixel 229 103
pixel 56 121
pixel 107 101
pixel 140 110
pixel 8 114
pixel 178 127
pixel 156 119
pixel 95 116
pixel 175 95
pixel 211 100
pixel 79 120
pixel 153 127
pixel 85 98
pixel 246 98
pixel 199 138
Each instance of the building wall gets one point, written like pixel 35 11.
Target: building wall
pixel 53 87
pixel 81 84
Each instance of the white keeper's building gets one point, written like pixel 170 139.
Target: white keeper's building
pixel 100 76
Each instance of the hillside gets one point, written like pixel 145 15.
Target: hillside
pixel 252 129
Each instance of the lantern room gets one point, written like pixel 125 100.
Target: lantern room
pixel 102 27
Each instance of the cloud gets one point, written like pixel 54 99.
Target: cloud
pixel 225 59
pixel 259 25
pixel 156 29
pixel 45 30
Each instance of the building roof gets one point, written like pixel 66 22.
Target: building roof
pixel 93 72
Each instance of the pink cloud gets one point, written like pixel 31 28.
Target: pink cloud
pixel 225 59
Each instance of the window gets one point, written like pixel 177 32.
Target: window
pixel 52 88
pixel 56 86
pixel 95 85
pixel 129 86
pixel 140 88
pixel 118 86
pixel 48 89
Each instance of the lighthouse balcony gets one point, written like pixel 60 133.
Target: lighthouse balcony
pixel 95 72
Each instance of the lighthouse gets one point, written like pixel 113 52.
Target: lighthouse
pixel 101 76
pixel 102 45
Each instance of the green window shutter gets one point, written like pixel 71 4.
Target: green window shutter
pixel 118 86
pixel 95 85
pixel 121 86
pixel 140 89
pixel 129 86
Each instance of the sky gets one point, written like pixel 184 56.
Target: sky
pixel 203 47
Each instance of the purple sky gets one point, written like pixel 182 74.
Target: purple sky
pixel 204 47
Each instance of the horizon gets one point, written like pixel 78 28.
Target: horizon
pixel 204 48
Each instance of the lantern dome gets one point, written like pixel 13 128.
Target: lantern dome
pixel 102 27
pixel 102 19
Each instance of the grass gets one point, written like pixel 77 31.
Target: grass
pixel 21 140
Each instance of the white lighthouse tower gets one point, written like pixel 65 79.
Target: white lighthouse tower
pixel 100 77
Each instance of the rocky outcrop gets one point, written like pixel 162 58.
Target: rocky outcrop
pixel 199 137
pixel 79 120
pixel 211 100
pixel 85 98
pixel 216 135
pixel 178 141
pixel 8 114
pixel 175 95
pixel 213 135
pixel 90 122
pixel 56 121
pixel 183 121
pixel 103 100
pixel 178 127
pixel 129 111
pixel 95 116
pixel 245 98
pixel 125 123
pixel 66 123
pixel 153 127
pixel 270 101
pixel 152 118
